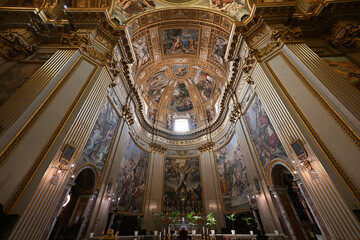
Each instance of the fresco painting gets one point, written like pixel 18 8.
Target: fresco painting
pixel 346 69
pixel 181 70
pixel 99 143
pixel 180 40
pixel 152 115
pixel 266 140
pixel 141 51
pixel 205 83
pixel 211 113
pixel 131 181
pixel 233 177
pixel 219 49
pixel 235 8
pixel 192 122
pixel 180 100
pixel 182 190
pixel 155 86
pixel 125 9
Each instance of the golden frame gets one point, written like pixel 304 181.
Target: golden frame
pixel 67 154
pixel 298 148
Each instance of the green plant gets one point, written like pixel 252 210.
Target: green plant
pixel 175 217
pixel 193 218
pixel 249 222
pixel 210 220
pixel 140 221
pixel 232 218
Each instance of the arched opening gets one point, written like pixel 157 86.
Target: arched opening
pixel 72 215
pixel 294 203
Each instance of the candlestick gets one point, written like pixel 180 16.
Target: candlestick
pixel 203 230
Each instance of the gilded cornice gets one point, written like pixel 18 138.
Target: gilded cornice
pixel 157 147
pixel 13 48
pixel 207 147
pixel 346 37
pixel 127 115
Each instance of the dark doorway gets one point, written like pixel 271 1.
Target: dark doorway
pixel 72 215
pixel 293 201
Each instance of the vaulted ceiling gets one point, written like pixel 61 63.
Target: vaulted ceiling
pixel 181 66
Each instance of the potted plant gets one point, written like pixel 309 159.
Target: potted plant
pixel 141 222
pixel 175 217
pixel 211 221
pixel 193 220
pixel 249 222
pixel 232 218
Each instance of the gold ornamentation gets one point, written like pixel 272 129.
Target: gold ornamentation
pixel 92 52
pixel 348 38
pixel 127 115
pixel 109 235
pixel 207 147
pixel 157 147
pixel 12 48
pixel 204 44
pixel 235 113
pixel 287 34
pixel 268 49
pixel 74 40
pixel 249 64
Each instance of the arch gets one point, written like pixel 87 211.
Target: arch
pixel 275 169
pixel 301 222
pixel 91 167
pixel 72 218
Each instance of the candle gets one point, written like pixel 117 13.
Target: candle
pixel 203 230
pixel 169 229
pixel 207 231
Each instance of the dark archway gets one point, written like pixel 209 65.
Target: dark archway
pixel 72 215
pixel 297 210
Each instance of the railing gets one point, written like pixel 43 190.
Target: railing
pixel 199 237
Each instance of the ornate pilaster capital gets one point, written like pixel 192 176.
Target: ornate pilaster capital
pixel 157 147
pixel 13 47
pixel 207 147
pixel 235 113
pixel 127 115
pixel 346 37
pixel 287 34
pixel 74 40
pixel 268 49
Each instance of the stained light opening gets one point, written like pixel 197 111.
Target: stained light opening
pixel 181 125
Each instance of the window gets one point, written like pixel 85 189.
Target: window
pixel 181 125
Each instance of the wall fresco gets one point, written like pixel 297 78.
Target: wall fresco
pixel 219 49
pixel 266 140
pixel 99 143
pixel 155 85
pixel 233 177
pixel 182 187
pixel 131 181
pixel 141 51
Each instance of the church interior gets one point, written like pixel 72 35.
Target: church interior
pixel 180 119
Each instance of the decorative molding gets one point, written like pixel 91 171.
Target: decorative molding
pixel 207 147
pixel 157 147
pixel 13 48
pixel 74 40
pixel 287 34
pixel 347 37
pixel 127 115
pixel 235 113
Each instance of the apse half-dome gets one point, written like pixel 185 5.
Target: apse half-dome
pixel 180 67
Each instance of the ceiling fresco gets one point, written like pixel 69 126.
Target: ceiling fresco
pixel 125 10
pixel 180 65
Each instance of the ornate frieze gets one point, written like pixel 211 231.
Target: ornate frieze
pixel 235 113
pixel 13 48
pixel 207 147
pixel 347 37
pixel 157 147
pixel 127 115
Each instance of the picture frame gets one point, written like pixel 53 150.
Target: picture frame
pixel 67 154
pixel 298 149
